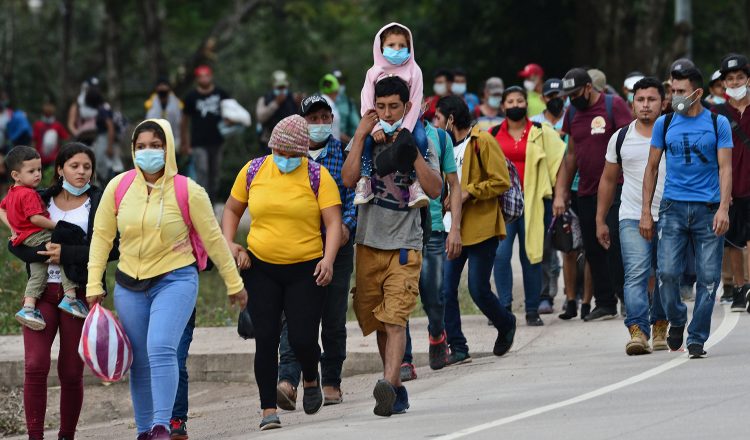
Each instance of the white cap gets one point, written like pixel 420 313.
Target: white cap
pixel 630 81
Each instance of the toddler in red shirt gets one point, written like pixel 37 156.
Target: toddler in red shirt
pixel 23 211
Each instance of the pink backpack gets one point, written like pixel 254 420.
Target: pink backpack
pixel 181 193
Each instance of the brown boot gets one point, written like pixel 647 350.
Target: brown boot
pixel 286 396
pixel 659 335
pixel 332 395
pixel 638 343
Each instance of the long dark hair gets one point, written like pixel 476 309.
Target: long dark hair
pixel 67 152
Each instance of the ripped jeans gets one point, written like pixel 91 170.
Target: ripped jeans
pixel 679 224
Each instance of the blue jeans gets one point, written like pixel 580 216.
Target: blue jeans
pixel 180 408
pixel 532 273
pixel 639 260
pixel 333 327
pixel 154 321
pixel 420 138
pixel 480 257
pixel 679 224
pixel 431 289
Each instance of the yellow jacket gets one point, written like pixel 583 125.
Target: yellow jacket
pixel 544 153
pixel 484 175
pixel 151 228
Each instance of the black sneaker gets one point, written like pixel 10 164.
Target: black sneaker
pixel 746 289
pixel 728 296
pixel 738 300
pixel 674 338
pixel 534 320
pixel 571 310
pixel 504 342
pixel 458 358
pixel 385 397
pixel 696 351
pixel 585 310
pixel 600 314
pixel 439 352
pixel 177 429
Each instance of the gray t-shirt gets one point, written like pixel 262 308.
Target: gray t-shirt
pixel 387 223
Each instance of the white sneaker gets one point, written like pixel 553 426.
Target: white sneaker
pixel 363 192
pixel 417 197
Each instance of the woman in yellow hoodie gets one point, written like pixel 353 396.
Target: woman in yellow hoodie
pixel 536 150
pixel 157 276
pixel 484 178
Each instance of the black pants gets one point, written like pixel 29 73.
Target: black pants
pixel 291 289
pixel 606 264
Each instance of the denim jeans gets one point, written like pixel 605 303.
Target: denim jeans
pixel 679 224
pixel 639 260
pixel 431 289
pixel 155 321
pixel 180 408
pixel 532 273
pixel 333 323
pixel 480 257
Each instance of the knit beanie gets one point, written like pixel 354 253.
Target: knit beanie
pixel 290 135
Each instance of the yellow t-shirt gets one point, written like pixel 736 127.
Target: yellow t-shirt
pixel 285 215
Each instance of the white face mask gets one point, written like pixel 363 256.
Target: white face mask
pixel 440 89
pixel 737 93
pixel 458 88
pixel 529 85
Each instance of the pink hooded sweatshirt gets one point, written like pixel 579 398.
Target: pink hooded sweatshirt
pixel 409 72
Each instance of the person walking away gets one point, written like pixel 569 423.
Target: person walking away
pixel 590 122
pixel 483 174
pixel 286 266
pixel 695 206
pixel 328 151
pixel 158 215
pixel 274 106
pixel 199 130
pixel 389 236
pixel 627 154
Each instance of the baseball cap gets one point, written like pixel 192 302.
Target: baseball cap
pixel 328 84
pixel 680 65
pixel 313 102
pixel 279 79
pixel 531 69
pixel 202 70
pixel 734 62
pixel 575 79
pixel 632 78
pixel 552 85
pixel 715 77
pixel 494 85
pixel 598 79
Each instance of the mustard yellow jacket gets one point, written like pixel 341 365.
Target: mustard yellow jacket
pixel 544 154
pixel 484 175
pixel 151 228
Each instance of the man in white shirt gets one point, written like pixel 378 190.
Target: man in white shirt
pixel 628 151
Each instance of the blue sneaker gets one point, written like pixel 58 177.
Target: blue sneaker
pixel 74 306
pixel 31 318
pixel 402 400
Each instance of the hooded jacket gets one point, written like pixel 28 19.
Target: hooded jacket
pixel 152 230
pixel 409 72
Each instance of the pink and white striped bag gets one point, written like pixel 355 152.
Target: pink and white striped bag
pixel 104 346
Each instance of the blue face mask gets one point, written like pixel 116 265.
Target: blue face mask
pixel 389 129
pixel 73 190
pixel 718 99
pixel 287 164
pixel 631 97
pixel 319 132
pixel 396 57
pixel 150 160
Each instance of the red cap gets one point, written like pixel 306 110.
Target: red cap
pixel 202 70
pixel 531 69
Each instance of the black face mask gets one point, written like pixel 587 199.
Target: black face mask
pixel 516 113
pixel 163 94
pixel 580 102
pixel 556 106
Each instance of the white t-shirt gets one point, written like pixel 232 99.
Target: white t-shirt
pixel 634 153
pixel 78 217
pixel 458 153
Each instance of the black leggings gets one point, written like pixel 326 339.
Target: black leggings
pixel 291 289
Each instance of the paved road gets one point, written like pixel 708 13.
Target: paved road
pixel 572 381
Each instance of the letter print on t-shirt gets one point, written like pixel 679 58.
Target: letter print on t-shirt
pixel 692 146
pixel 208 105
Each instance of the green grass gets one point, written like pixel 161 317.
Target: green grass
pixel 212 306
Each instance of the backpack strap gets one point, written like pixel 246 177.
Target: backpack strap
pixel 495 130
pixel 313 172
pixel 608 102
pixel 622 132
pixel 569 114
pixel 667 121
pixel 715 120
pixel 252 170
pixel 122 187
pixel 536 124
pixel 183 201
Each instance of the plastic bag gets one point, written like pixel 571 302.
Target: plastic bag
pixel 104 346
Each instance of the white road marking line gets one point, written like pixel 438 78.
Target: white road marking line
pixel 727 325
